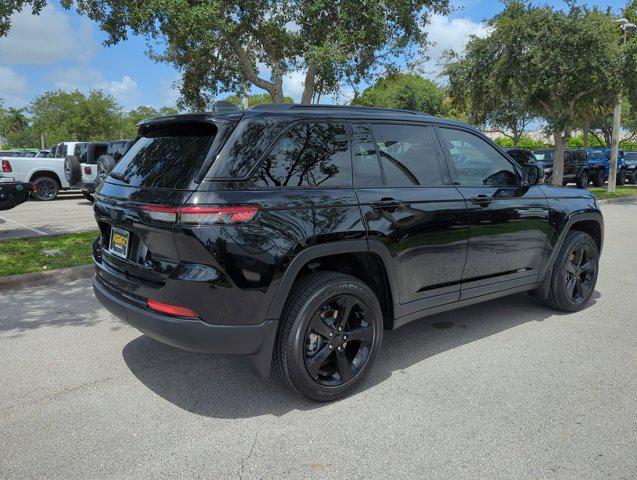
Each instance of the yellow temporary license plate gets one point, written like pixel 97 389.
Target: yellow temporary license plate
pixel 119 242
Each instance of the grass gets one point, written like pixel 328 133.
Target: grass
pixel 602 192
pixel 24 255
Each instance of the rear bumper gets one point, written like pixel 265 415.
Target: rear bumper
pixel 89 186
pixel 13 194
pixel 188 334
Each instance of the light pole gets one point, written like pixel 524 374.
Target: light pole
pixel 625 25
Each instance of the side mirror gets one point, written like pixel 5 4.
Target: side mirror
pixel 532 174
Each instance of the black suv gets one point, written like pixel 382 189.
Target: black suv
pixel 295 234
pixel 576 168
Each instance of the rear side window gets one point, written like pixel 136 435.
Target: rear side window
pixel 167 156
pixel 308 155
pixel 407 155
pixel 367 171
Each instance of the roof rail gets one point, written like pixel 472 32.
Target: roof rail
pixel 299 106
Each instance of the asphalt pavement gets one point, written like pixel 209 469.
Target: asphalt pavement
pixel 69 213
pixel 502 390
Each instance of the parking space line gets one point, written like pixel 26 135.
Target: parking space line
pixel 33 229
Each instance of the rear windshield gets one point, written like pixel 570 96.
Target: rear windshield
pixel 166 156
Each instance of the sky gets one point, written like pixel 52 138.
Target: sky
pixel 61 50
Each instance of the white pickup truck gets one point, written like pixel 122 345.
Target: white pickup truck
pixel 47 174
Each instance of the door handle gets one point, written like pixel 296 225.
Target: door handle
pixel 386 204
pixel 482 200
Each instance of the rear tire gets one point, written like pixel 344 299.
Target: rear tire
pixel 598 179
pixel 621 177
pixel 330 333
pixel 46 188
pixel 574 273
pixel 72 169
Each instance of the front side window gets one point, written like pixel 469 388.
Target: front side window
pixel 308 155
pixel 476 163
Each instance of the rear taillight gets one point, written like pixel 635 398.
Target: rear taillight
pixel 6 166
pixel 170 309
pixel 202 214
pixel 87 170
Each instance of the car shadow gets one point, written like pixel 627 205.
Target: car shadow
pixel 224 387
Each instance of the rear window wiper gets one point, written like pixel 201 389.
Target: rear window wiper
pixel 119 176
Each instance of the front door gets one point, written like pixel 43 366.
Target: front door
pixel 410 207
pixel 508 221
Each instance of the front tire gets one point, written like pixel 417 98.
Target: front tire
pixel 583 180
pixel 598 179
pixel 331 331
pixel 621 177
pixel 574 273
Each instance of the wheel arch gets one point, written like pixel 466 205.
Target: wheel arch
pixel 34 175
pixel 367 261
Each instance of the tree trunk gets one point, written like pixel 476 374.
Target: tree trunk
pixel 558 159
pixel 587 127
pixel 42 140
pixel 614 145
pixel 309 85
pixel 516 139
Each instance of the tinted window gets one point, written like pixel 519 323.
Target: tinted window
pixel 475 161
pixel 171 159
pixel 308 155
pixel 630 156
pixel 407 155
pixel 247 144
pixel 364 159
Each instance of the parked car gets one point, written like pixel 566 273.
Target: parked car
pixel 599 166
pixel 114 153
pixel 13 194
pixel 576 168
pixel 294 234
pixel 630 160
pixel 81 169
pixel 523 156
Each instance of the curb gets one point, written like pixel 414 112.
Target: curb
pixel 628 199
pixel 49 277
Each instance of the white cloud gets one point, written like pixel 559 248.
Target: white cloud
pixel 48 38
pixel 74 77
pixel 12 87
pixel 293 84
pixel 126 92
pixel 449 33
pixel 168 92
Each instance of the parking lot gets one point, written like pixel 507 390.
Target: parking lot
pixel 505 389
pixel 71 212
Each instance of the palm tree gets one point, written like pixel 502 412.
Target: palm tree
pixel 15 120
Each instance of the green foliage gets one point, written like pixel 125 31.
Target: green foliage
pixel 578 142
pixel 525 141
pixel 405 91
pixel 255 99
pixel 72 116
pixel 9 7
pixel 133 117
pixel 218 44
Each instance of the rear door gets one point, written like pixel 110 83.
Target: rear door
pixel 411 209
pixel 508 221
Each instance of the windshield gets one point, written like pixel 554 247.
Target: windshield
pixel 597 154
pixel 630 156
pixel 168 157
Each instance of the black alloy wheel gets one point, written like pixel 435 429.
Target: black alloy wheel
pixel 581 271
pixel 338 341
pixel 330 332
pixel 45 189
pixel 574 273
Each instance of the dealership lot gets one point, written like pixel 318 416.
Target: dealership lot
pixel 71 212
pixel 504 389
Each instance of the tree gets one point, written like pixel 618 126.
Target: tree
pixel 9 7
pixel 64 116
pixel 133 117
pixel 550 61
pixel 405 91
pixel 220 45
pixel 255 99
pixel 470 91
